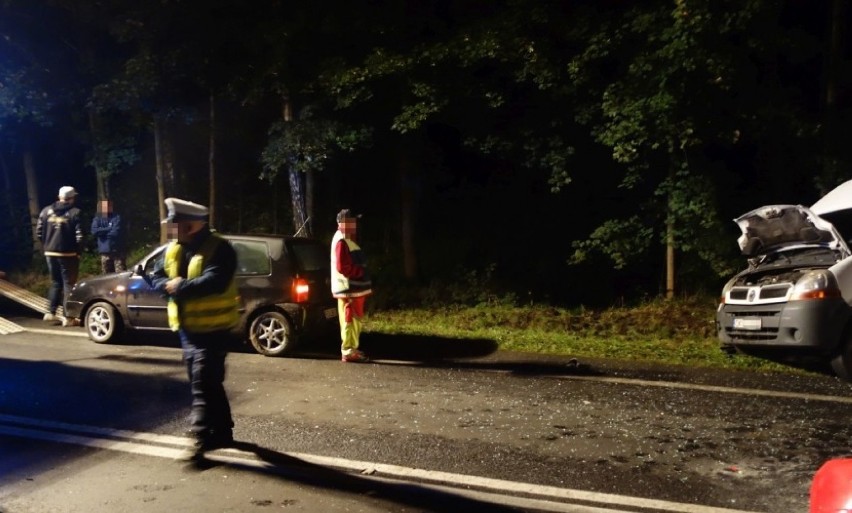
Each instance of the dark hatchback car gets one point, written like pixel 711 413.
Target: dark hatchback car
pixel 283 284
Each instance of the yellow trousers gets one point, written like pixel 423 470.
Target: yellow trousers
pixel 350 310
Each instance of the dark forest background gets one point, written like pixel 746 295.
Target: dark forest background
pixel 572 152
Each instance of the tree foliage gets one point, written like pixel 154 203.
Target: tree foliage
pixel 657 119
pixel 666 83
pixel 22 100
pixel 307 144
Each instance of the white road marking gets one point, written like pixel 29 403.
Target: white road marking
pixel 65 332
pixel 547 498
pixel 666 384
pixel 479 495
pixel 87 441
pixel 711 388
pixel 8 327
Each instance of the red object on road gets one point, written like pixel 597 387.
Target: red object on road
pixel 831 489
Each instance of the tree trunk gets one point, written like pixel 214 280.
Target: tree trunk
pixel 7 179
pixel 32 196
pixel 670 242
pixel 7 191
pixel 274 187
pixel 407 180
pixel 158 159
pixel 297 199
pixel 211 161
pixel 240 197
pixel 310 183
pixel 168 149
pixel 16 228
pixel 295 178
pixel 670 261
pixel 832 139
pixel 100 177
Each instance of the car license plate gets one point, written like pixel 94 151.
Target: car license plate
pixel 744 323
pixel 330 313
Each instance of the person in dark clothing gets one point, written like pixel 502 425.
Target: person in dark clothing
pixel 198 278
pixel 109 232
pixel 58 228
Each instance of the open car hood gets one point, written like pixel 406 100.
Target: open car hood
pixel 836 208
pixel 837 200
pixel 775 227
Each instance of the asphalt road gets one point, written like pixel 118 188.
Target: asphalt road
pixel 432 425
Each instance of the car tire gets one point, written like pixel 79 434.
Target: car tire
pixel 271 333
pixel 841 364
pixel 103 325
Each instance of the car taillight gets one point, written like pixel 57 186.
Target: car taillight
pixel 301 290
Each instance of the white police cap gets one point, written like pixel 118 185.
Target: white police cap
pixel 182 210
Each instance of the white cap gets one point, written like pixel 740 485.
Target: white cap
pixel 66 192
pixel 182 210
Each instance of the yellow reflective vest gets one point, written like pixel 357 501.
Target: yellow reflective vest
pixel 342 286
pixel 202 314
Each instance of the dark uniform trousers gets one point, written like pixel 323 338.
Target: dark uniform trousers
pixel 63 275
pixel 204 355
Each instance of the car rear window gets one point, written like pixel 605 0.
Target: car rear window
pixel 252 257
pixel 309 255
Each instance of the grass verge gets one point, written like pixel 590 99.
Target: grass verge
pixel 677 332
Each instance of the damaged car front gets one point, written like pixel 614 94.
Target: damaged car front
pixel 792 303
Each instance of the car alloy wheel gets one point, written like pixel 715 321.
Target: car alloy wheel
pixel 271 333
pixel 102 323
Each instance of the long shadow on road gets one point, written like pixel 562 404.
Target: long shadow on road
pixel 421 348
pixel 413 350
pixel 445 352
pixel 293 469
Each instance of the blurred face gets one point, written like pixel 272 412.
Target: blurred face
pixel 105 207
pixel 348 227
pixel 183 231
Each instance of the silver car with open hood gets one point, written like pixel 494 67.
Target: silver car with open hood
pixel 794 301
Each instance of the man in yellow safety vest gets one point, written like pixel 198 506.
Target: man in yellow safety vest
pixel 203 307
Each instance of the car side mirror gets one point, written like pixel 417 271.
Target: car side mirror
pixel 140 271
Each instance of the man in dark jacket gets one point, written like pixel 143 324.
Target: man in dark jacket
pixel 107 229
pixel 61 236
